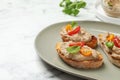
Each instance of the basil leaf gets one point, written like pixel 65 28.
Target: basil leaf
pixel 72 7
pixel 67 1
pixel 73 23
pixel 73 49
pixel 67 11
pixel 81 4
pixel 61 4
pixel 75 12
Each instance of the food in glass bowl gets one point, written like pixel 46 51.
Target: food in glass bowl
pixel 111 7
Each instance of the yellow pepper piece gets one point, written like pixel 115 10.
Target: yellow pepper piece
pixel 68 27
pixel 110 37
pixel 100 35
pixel 85 52
pixel 58 45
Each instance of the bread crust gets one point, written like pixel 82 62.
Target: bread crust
pixel 111 59
pixel 91 64
pixel 92 43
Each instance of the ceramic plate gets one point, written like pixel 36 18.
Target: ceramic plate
pixel 45 46
pixel 100 13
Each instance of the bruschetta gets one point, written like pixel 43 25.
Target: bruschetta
pixel 110 43
pixel 76 33
pixel 78 55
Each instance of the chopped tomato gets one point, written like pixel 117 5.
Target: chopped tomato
pixel 76 30
pixel 116 42
pixel 81 44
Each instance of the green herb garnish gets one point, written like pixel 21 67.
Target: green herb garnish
pixel 73 49
pixel 109 44
pixel 72 7
pixel 73 23
pixel 110 4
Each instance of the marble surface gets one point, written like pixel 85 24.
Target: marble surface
pixel 20 22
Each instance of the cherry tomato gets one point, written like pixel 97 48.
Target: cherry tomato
pixel 116 42
pixel 85 52
pixel 81 44
pixel 76 30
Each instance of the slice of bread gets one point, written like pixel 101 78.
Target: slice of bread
pixel 107 51
pixel 85 64
pixel 78 35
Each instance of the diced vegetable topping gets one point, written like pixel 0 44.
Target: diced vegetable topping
pixel 109 44
pixel 68 27
pixel 110 37
pixel 73 49
pixel 112 40
pixel 76 47
pixel 81 44
pixel 76 30
pixel 116 42
pixel 72 28
pixel 85 52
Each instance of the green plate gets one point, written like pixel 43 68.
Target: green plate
pixel 45 46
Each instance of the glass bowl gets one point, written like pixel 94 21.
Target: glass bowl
pixel 111 7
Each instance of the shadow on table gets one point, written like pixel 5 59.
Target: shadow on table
pixel 57 74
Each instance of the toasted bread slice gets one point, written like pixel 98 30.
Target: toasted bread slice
pixel 84 64
pixel 82 35
pixel 107 51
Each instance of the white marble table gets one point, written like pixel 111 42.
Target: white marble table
pixel 20 22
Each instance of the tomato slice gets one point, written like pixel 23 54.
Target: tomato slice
pixel 76 30
pixel 116 42
pixel 81 44
pixel 85 52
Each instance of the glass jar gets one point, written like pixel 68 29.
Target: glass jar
pixel 111 7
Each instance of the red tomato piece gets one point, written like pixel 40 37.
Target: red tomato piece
pixel 76 30
pixel 116 42
pixel 81 44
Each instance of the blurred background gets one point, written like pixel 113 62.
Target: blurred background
pixel 20 22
